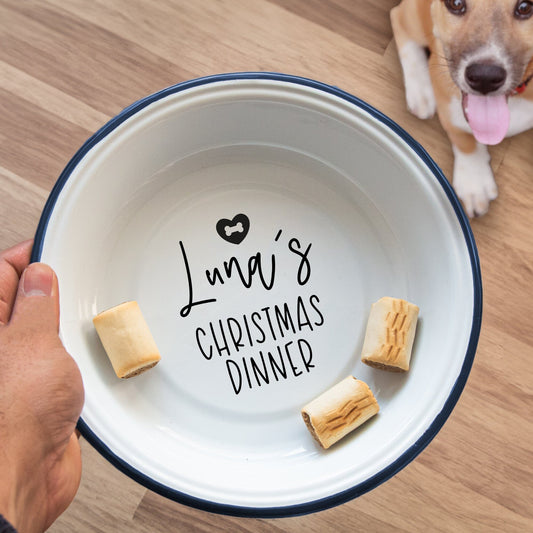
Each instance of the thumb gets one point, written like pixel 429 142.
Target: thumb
pixel 37 301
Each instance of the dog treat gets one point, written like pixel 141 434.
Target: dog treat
pixel 339 410
pixel 126 339
pixel 390 333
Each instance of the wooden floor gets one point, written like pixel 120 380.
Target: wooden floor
pixel 67 66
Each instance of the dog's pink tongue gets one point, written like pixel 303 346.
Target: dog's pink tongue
pixel 488 117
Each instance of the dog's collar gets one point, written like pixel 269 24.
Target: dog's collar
pixel 522 87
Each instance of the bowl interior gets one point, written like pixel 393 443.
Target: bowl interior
pixel 256 221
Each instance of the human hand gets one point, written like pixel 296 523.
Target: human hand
pixel 41 397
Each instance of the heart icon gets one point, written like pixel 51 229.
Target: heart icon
pixel 235 230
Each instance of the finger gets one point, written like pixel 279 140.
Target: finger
pixel 13 261
pixel 36 305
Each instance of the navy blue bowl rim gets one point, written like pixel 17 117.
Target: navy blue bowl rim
pixel 412 452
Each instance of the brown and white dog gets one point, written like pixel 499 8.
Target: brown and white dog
pixel 475 76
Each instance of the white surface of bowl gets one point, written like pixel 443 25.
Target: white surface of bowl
pixel 338 207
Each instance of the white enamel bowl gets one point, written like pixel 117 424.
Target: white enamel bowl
pixel 325 205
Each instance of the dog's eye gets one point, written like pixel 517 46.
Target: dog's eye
pixel 458 7
pixel 523 10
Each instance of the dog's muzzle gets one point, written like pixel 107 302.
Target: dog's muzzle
pixel 485 78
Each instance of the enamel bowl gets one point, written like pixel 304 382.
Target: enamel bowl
pixel 255 218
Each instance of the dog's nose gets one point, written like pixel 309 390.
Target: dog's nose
pixel 485 77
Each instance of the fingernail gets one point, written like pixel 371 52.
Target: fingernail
pixel 38 280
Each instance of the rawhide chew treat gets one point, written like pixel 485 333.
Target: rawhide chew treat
pixel 339 410
pixel 126 339
pixel 390 333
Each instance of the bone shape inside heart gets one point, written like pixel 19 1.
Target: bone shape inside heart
pixel 238 228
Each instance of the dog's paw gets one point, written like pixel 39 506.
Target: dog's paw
pixel 420 99
pixel 473 181
pixel 418 88
pixel 476 196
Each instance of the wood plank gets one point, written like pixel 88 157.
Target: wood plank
pixel 106 501
pixel 38 143
pixel 25 201
pixel 364 23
